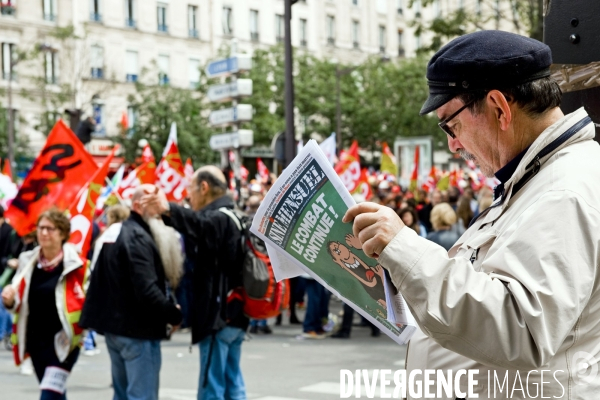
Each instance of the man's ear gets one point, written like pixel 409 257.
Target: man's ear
pixel 204 187
pixel 502 112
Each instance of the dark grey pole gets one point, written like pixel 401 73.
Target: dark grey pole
pixel 338 111
pixel 290 136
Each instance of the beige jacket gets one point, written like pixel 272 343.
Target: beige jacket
pixel 519 291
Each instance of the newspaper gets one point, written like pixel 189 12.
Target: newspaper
pixel 300 221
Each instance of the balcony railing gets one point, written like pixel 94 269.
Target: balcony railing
pixel 401 52
pixel 50 17
pixel 331 41
pixel 356 45
pixel 131 78
pixel 9 75
pixel 8 10
pixel 254 36
pixel 193 33
pixel 163 79
pixel 303 43
pixel 163 28
pixel 95 17
pixel 97 73
pixel 52 80
pixel 130 23
pixel 400 11
pixel 382 49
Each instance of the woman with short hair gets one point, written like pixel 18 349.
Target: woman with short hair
pixel 442 219
pixel 47 293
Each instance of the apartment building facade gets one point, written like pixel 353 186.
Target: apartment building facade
pixel 172 39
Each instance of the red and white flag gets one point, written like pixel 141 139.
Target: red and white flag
pixel 84 206
pixel 170 172
pixel 188 170
pixel 263 171
pixel 354 178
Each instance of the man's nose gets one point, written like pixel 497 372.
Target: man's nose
pixel 454 144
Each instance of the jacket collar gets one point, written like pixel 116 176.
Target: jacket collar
pixel 71 259
pixel 526 164
pixel 223 201
pixel 138 219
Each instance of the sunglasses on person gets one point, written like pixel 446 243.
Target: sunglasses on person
pixel 444 124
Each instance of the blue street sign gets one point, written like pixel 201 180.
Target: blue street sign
pixel 228 66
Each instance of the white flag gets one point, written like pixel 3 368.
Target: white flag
pixel 328 146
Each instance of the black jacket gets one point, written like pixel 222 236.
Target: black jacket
pixel 127 289
pixel 218 265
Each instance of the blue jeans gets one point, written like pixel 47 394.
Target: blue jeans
pixel 317 309
pixel 225 380
pixel 5 322
pixel 135 367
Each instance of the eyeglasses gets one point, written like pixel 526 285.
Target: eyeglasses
pixel 444 124
pixel 50 229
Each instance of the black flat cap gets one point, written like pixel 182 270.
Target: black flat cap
pixel 484 60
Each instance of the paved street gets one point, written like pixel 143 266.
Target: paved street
pixel 276 367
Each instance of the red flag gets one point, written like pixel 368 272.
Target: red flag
pixel 7 170
pixel 431 180
pixel 147 154
pixel 124 121
pixel 83 207
pixel 57 175
pixel 170 173
pixel 263 172
pixel 145 173
pixel 415 173
pixel 244 172
pixel 188 170
pixel 349 171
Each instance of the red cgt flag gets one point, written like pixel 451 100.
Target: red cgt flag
pixel 142 174
pixel 263 171
pixel 189 170
pixel 354 178
pixel 83 207
pixel 170 172
pixel 57 174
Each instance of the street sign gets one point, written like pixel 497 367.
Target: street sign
pixel 228 91
pixel 227 116
pixel 232 140
pixel 228 66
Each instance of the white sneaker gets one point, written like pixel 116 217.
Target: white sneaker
pixel 91 352
pixel 26 367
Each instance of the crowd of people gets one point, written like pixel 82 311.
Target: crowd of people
pixel 155 267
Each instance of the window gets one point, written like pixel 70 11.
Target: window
pixel 418 42
pixel 132 117
pixel 354 2
pixel 227 21
pixel 461 4
pixel 97 62
pixel 400 44
pixel 163 70
pixel 131 66
pixel 51 66
pixel 399 6
pixel 303 41
pixel 161 14
pixel 98 109
pixel 330 30
pixel 279 28
pixel 8 61
pixel 417 8
pixel 478 7
pixel 382 40
pixel 7 7
pixel 192 15
pixel 95 14
pixel 129 14
pixel 355 34
pixel 49 9
pixel 437 10
pixel 194 73
pixel 254 25
pixel 382 6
